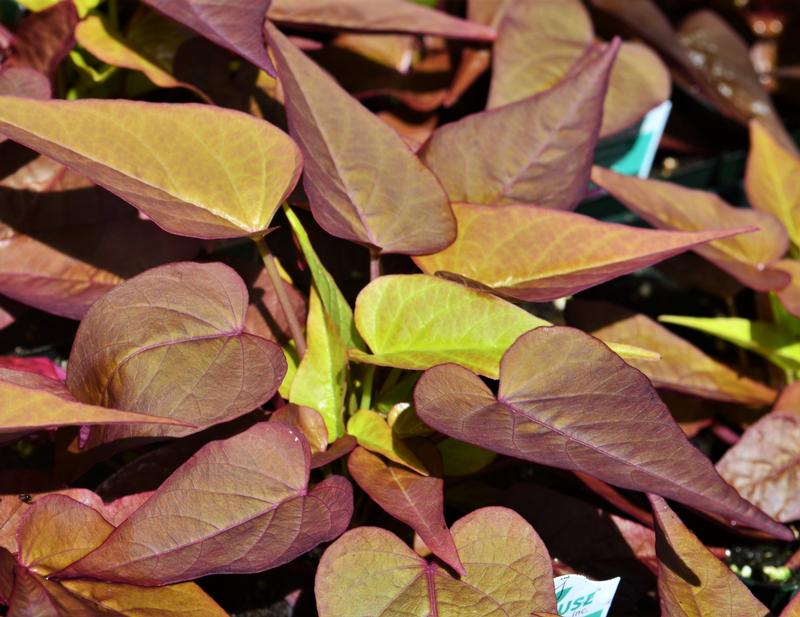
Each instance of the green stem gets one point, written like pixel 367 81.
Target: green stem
pixel 366 387
pixel 392 378
pixel 283 298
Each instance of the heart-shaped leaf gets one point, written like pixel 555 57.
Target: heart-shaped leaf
pixel 222 176
pixel 513 150
pixel 417 321
pixel 321 379
pixel 56 531
pixel 668 206
pixel 170 342
pixel 347 148
pixel 416 500
pixel 233 507
pixel 542 42
pixel 691 581
pixel 236 25
pixel 32 402
pixel 579 251
pixel 773 179
pixel 763 465
pixel 566 400
pixel 67 242
pixel 683 367
pixel 370 571
pixel 376 16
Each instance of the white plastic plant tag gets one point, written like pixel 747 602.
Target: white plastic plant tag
pixel 577 596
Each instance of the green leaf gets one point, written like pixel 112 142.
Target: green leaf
pixel 463 459
pixel 374 434
pixel 321 378
pixel 332 299
pixel 778 346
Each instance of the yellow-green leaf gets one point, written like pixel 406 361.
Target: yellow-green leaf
pixel 374 434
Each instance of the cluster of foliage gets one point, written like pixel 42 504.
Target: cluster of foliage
pixel 221 411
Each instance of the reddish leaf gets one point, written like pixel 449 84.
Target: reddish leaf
pixel 581 251
pixel 24 82
pixel 34 364
pixel 683 367
pixel 790 295
pixel 31 402
pixel 233 507
pixel 691 580
pixel 789 400
pixel 339 448
pixel 170 343
pixel 236 25
pixel 376 16
pixel 592 424
pixel 307 421
pixel 369 571
pixel 764 465
pixel 748 257
pixel 45 38
pixel 346 149
pixel 514 149
pixel 416 500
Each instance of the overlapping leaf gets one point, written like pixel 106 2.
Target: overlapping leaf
pixel 691 581
pixel 373 433
pixel 348 151
pixel 31 402
pixel 236 25
pixel 773 179
pixel 24 82
pixel 370 571
pixel 42 40
pixel 541 42
pixel 170 342
pixel 764 465
pixel 57 531
pixel 67 242
pixel 220 174
pixel 376 16
pixel 416 500
pixel 608 423
pixel 511 154
pixel 235 506
pixel 538 254
pixel 683 367
pixel 747 257
pixel 790 295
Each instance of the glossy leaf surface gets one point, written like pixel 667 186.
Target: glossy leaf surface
pixel 170 343
pixel 593 424
pixel 346 150
pixel 416 500
pixel 236 25
pixel 249 511
pixel 747 257
pixel 691 580
pixel 370 571
pixel 222 175
pixel 514 150
pixel 537 254
pixel 764 465
pixel 376 16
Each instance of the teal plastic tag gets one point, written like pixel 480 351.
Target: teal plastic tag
pixel 638 160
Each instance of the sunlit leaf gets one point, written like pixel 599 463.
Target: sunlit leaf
pixel 514 150
pixel 236 25
pixel 764 464
pixel 306 420
pixel 374 434
pixel 773 179
pixel 777 345
pixel 347 151
pixel 370 571
pixel 222 175
pixel 32 402
pixel 691 581
pixel 544 413
pixel 747 257
pixel 538 254
pixel 683 367
pixel 416 500
pixel 233 507
pixel 541 43
pixel 376 16
pixel 83 6
pixel 170 342
pixel 321 378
